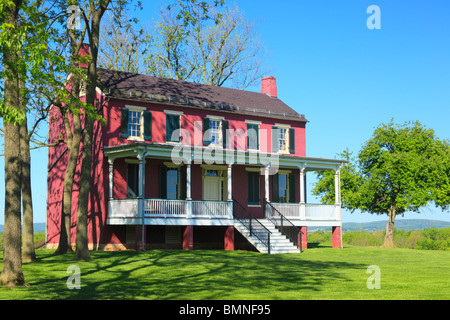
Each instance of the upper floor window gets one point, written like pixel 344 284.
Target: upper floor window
pixel 283 139
pixel 215 132
pixel 136 123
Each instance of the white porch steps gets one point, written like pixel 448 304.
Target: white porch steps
pixel 278 242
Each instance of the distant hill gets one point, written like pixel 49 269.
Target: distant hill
pixel 38 227
pixel 408 224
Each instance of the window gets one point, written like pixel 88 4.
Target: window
pixel 172 183
pixel 283 139
pixel 136 123
pixel 282 188
pixel 253 188
pixel 215 132
pixel 215 136
pixel 283 185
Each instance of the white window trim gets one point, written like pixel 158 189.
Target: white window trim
pixel 141 124
pixel 286 139
pixel 178 113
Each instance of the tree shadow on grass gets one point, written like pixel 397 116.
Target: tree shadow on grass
pixel 192 275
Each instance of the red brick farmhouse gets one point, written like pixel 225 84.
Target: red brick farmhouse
pixel 186 165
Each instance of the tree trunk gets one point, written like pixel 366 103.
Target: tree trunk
pixel 12 274
pixel 389 237
pixel 28 254
pixel 73 145
pixel 82 249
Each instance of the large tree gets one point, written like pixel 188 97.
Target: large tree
pixel 402 168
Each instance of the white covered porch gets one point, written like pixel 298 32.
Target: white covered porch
pixel 188 211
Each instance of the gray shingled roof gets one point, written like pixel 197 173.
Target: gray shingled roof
pixel 132 86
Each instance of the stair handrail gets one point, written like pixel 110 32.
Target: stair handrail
pixel 250 217
pixel 295 237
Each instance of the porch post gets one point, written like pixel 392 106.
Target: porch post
pixel 141 187
pixel 337 186
pixel 188 191
pixel 266 183
pixel 111 178
pixel 302 184
pixel 230 192
pixel 230 195
pixel 188 182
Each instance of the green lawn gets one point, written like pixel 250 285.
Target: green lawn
pixel 318 273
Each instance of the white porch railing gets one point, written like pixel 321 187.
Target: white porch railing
pixel 164 208
pixel 298 211
pixel 210 208
pixel 126 208
pixel 129 208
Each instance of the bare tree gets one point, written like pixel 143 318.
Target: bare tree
pixel 227 52
pixel 122 45
pixel 220 49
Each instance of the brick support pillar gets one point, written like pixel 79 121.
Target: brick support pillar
pixel 188 238
pixel 304 231
pixel 337 237
pixel 229 238
pixel 139 238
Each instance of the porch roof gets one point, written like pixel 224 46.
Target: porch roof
pixel 198 155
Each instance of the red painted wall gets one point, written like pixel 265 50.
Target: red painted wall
pixel 191 120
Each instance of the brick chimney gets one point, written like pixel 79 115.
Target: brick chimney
pixel 269 86
pixel 84 51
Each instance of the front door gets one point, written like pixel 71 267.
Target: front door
pixel 213 185
pixel 211 188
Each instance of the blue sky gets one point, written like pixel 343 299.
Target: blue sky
pixel 345 78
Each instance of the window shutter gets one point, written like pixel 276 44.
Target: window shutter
pixel 225 125
pixel 124 123
pixel 162 182
pixel 147 125
pixel 292 188
pixel 275 139
pixel 292 140
pixel 172 124
pixel 252 136
pixel 275 190
pixel 206 138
